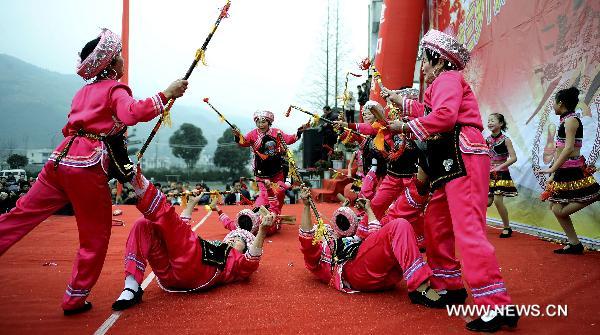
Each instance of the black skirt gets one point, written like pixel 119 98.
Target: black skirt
pixel 572 185
pixel 502 184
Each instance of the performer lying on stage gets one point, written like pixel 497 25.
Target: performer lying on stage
pixel 250 219
pixel 181 260
pixel 386 256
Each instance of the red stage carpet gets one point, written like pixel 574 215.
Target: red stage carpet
pixel 282 297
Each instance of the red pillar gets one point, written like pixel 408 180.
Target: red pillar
pixel 396 53
pixel 125 54
pixel 125 40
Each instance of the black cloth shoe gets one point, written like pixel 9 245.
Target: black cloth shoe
pixel 86 307
pixel 510 319
pixel 421 298
pixel 570 249
pixel 506 233
pixel 122 304
pixel 456 297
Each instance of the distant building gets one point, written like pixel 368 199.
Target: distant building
pixel 38 156
pixel 374 17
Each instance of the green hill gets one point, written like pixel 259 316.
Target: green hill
pixel 35 102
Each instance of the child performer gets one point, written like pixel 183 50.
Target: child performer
pixel 388 255
pixel 458 168
pixel 269 161
pixel 572 186
pixel 78 170
pixel 502 155
pixel 181 260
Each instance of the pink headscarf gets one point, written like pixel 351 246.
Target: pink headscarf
pixel 106 50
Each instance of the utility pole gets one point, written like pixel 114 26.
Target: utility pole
pixel 337 43
pixel 327 59
pixel 156 153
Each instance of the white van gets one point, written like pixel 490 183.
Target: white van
pixel 17 173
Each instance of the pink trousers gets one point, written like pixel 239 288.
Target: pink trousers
pixel 456 217
pixel 172 250
pixel 369 185
pixel 385 257
pixel 392 189
pixel 411 207
pixel 263 197
pixel 87 190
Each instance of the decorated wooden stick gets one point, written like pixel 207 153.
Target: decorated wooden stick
pixel 317 118
pixel 295 175
pixel 200 56
pixel 219 113
pixel 337 173
pixel 393 109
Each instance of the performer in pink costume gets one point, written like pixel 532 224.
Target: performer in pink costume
pixel 268 153
pixel 379 262
pixel 78 171
pixel 181 260
pixel 458 168
pixel 400 170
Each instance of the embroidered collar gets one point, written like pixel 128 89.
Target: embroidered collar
pixel 567 115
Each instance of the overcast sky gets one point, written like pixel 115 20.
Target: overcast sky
pixel 258 58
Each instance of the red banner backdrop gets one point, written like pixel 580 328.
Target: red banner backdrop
pixel 396 53
pixel 523 52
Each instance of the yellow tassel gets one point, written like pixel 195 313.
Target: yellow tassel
pixel 167 118
pixel 203 57
pixel 379 141
pixel 320 232
pixel 335 175
pixel 184 200
pixel 317 119
pixel 221 119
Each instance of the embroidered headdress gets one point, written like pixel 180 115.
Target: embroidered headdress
pixel 239 233
pixel 254 218
pixel 353 219
pixel 264 115
pixel 447 46
pixel 103 54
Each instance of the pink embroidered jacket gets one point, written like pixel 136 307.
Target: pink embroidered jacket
pixel 154 207
pixel 102 108
pixel 451 102
pixel 254 138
